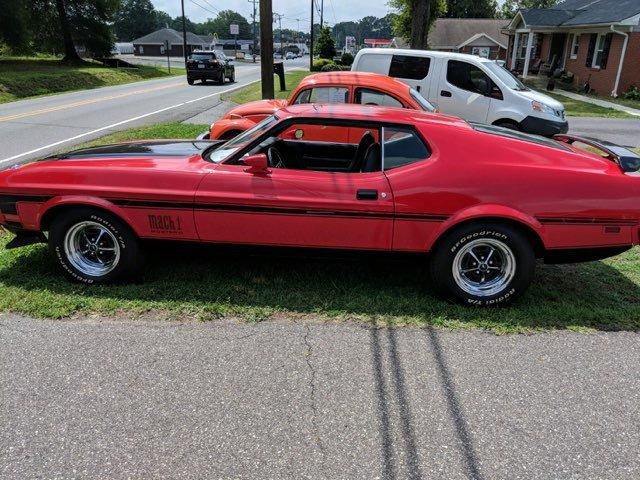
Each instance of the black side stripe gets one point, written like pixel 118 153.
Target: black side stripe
pixel 587 221
pixel 8 203
pixel 277 210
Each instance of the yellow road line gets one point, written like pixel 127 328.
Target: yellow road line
pixel 84 102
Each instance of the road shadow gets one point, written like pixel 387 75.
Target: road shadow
pixel 216 280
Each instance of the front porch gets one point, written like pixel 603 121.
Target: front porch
pixel 537 52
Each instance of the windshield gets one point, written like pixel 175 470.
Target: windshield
pixel 505 76
pixel 201 56
pixel 225 150
pixel 424 103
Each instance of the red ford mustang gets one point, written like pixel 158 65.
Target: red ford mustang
pixel 485 202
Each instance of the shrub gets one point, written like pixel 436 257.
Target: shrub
pixel 318 64
pixel 346 59
pixel 632 93
pixel 334 67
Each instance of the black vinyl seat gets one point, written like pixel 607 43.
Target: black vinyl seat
pixel 363 147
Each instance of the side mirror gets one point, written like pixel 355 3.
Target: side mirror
pixel 257 163
pixel 495 92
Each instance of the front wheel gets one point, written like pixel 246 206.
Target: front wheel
pixel 232 77
pixel 95 247
pixel 190 81
pixel 483 264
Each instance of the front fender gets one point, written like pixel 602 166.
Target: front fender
pixel 76 200
pixel 494 212
pixel 220 128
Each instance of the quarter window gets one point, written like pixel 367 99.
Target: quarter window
pixel 323 95
pixel 409 67
pixel 366 96
pixel 467 77
pixel 402 146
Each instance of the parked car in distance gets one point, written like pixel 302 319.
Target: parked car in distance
pixel 483 201
pixel 468 86
pixel 290 56
pixel 213 65
pixel 325 87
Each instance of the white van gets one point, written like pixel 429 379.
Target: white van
pixel 468 86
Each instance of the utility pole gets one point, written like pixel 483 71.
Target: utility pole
pixel 184 35
pixel 311 39
pixel 266 48
pixel 255 46
pixel 321 13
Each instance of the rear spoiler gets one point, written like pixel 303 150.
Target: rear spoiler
pixel 625 158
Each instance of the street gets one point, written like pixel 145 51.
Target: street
pixel 97 398
pixel 40 126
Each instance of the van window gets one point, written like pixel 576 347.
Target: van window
pixel 409 67
pixel 467 77
pixel 368 96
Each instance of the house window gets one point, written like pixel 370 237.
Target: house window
pixel 522 45
pixel 599 52
pixel 575 46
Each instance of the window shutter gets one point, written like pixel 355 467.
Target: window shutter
pixel 592 48
pixel 605 50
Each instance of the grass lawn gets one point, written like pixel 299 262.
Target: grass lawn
pixel 158 130
pixel 252 92
pixel 577 108
pixel 28 77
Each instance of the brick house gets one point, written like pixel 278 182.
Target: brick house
pixel 596 40
pixel 477 36
pixel 153 44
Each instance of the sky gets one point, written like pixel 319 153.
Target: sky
pixel 334 10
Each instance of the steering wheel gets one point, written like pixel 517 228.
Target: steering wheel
pixel 275 158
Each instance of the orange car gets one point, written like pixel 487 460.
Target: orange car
pixel 327 87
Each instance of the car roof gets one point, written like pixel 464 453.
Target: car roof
pixel 369 113
pixel 359 79
pixel 423 53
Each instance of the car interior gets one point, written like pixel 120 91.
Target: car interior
pixel 292 150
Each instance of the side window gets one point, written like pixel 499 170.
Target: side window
pixel 323 95
pixel 402 146
pixel 409 67
pixel 367 96
pixel 467 77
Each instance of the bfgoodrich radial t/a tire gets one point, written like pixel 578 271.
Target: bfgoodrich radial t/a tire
pixel 483 264
pixel 95 247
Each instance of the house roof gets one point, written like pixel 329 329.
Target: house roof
pixel 173 36
pixel 457 32
pixel 581 12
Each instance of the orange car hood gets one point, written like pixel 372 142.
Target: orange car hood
pixel 261 107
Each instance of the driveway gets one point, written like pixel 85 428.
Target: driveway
pixel 624 132
pixel 142 399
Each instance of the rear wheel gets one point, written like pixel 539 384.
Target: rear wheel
pixel 190 81
pixel 483 264
pixel 232 77
pixel 221 78
pixel 95 247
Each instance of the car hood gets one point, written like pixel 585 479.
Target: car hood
pixel 542 98
pixel 146 148
pixel 261 107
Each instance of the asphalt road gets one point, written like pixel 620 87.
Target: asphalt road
pixel 281 400
pixel 37 127
pixel 625 132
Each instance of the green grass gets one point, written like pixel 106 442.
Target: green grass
pixel 252 92
pixel 577 108
pixel 206 283
pixel 29 77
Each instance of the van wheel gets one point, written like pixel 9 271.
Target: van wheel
pixel 95 247
pixel 510 124
pixel 483 264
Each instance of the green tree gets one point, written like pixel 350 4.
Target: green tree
pixel 220 25
pixel 14 25
pixel 325 47
pixel 134 19
pixel 471 8
pixel 162 19
pixel 414 19
pixel 176 24
pixel 510 7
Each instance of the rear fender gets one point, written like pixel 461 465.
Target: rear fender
pixel 490 212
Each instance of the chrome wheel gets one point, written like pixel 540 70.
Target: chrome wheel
pixel 484 267
pixel 91 248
